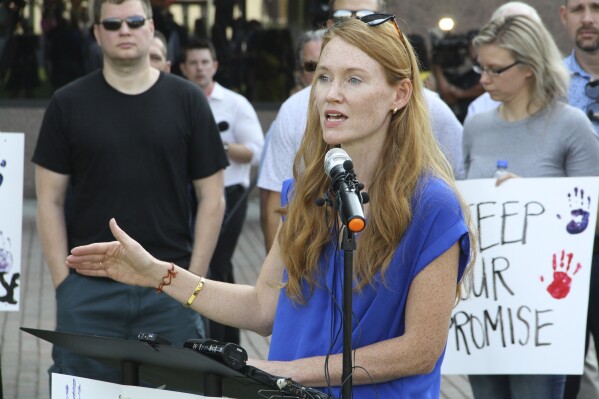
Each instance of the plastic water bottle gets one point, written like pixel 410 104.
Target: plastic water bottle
pixel 501 168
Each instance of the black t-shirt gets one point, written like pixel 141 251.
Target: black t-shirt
pixel 131 157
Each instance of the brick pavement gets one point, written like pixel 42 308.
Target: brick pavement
pixel 25 359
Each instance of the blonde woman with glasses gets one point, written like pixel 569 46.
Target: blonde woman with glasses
pixel 536 131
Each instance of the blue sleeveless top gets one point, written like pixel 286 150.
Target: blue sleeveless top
pixel 315 328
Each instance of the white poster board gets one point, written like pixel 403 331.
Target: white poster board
pixel 12 147
pixel 528 305
pixel 70 387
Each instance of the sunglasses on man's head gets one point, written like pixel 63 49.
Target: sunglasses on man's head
pixel 309 66
pixel 346 14
pixel 114 24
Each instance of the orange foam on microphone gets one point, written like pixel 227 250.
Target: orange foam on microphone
pixel 356 225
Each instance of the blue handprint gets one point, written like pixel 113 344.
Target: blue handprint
pixel 76 388
pixel 579 210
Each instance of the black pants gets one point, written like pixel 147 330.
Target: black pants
pixel 573 381
pixel 221 265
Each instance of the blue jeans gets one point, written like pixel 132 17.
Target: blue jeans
pixel 97 306
pixel 517 386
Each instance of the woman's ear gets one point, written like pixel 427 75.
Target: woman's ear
pixel 403 92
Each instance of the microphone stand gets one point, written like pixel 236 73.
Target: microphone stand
pixel 348 244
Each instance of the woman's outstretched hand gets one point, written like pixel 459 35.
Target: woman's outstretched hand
pixel 124 260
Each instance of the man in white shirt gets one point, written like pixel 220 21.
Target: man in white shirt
pixel 243 139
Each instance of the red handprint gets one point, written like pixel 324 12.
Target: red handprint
pixel 562 276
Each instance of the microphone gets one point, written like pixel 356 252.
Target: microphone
pixel 339 167
pixel 228 353
pixel 222 126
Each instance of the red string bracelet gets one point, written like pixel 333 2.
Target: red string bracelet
pixel 166 280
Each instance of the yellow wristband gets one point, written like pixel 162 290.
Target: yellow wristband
pixel 195 293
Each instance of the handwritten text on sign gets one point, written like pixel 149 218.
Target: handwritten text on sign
pixel 11 214
pixel 527 309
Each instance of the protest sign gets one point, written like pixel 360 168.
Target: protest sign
pixel 11 218
pixel 527 308
pixel 71 387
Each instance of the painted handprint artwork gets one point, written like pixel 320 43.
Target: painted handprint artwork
pixel 6 263
pixel 563 272
pixel 580 205
pixel 75 392
pixel 6 259
pixel 11 217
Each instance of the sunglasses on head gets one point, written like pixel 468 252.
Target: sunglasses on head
pixel 346 14
pixel 377 19
pixel 309 66
pixel 591 89
pixel 114 24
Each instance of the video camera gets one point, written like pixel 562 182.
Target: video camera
pixel 450 50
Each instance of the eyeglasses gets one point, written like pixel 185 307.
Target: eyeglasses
pixel 377 19
pixel 114 24
pixel 493 72
pixel 346 14
pixel 309 66
pixel 591 89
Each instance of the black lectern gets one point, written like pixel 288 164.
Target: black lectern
pixel 180 369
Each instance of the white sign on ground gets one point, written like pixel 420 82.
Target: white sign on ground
pixel 70 387
pixel 527 309
pixel 11 218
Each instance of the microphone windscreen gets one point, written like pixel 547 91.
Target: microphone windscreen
pixel 334 157
pixel 365 197
pixel 222 126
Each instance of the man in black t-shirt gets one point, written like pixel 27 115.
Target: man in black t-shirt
pixel 129 139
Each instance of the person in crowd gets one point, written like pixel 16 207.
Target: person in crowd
pixel 129 139
pixel 158 53
pixel 24 71
pixel 579 77
pixel 286 132
pixel 521 67
pixel 243 139
pixel 455 80
pixel 272 65
pixel 367 99
pixel 418 42
pixel 484 102
pixel 308 52
pixel 581 21
pixel 63 47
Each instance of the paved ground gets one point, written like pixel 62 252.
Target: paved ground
pixel 25 358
